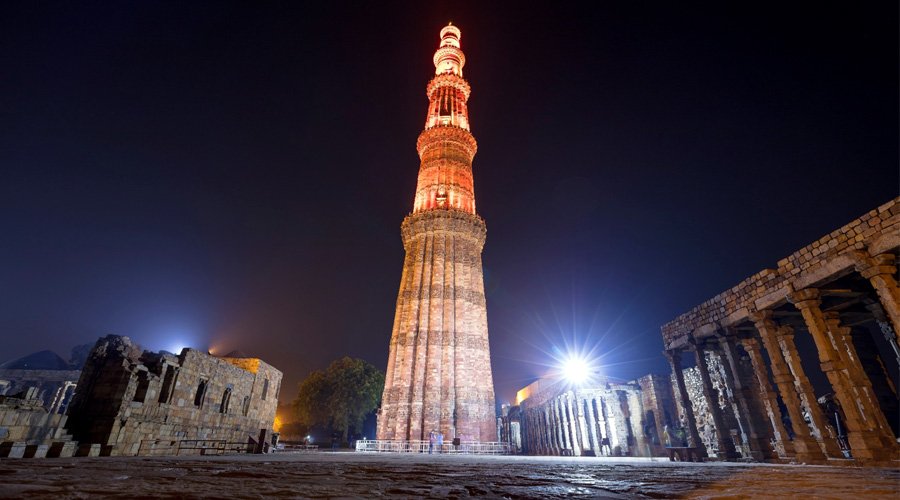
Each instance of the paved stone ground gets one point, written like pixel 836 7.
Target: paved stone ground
pixel 353 475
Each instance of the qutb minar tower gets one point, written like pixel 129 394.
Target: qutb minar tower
pixel 439 366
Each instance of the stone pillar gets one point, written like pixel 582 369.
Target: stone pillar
pixel 859 381
pixel 865 443
pixel 572 417
pixel 767 396
pixel 805 447
pixel 757 439
pixel 887 331
pixel 564 423
pixel 723 434
pixel 674 357
pixel 560 426
pixel 544 432
pixel 603 425
pixel 827 438
pixel 881 271
pixel 582 423
pixel 592 426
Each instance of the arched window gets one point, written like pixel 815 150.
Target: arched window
pixel 226 400
pixel 201 393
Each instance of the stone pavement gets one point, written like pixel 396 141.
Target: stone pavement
pixel 354 475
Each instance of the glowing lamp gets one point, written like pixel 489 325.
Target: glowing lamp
pixel 576 370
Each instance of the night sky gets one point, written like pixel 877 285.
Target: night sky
pixel 233 175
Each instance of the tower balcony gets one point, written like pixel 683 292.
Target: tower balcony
pixel 453 142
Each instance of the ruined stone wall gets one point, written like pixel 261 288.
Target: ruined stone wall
pixel 27 421
pixel 876 231
pixel 53 388
pixel 132 402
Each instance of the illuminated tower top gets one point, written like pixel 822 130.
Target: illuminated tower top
pixel 446 147
pixel 449 57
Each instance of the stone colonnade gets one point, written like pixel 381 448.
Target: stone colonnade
pixel 586 422
pixel 758 320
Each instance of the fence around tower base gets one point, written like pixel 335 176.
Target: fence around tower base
pixel 466 447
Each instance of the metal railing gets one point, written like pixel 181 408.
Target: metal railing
pixel 466 447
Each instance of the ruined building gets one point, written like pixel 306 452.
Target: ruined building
pixel 439 371
pixel 603 418
pixel 751 392
pixel 42 376
pixel 134 402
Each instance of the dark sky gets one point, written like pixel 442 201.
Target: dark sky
pixel 234 175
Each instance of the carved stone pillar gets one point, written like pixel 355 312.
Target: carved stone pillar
pixel 547 429
pixel 552 435
pixel 723 434
pixel 537 416
pixel 603 425
pixel 572 416
pixel 757 439
pixel 865 443
pixel 767 396
pixel 881 271
pixel 558 427
pixel 563 423
pixel 827 438
pixel 884 324
pixel 674 357
pixel 592 426
pixel 805 447
pixel 864 395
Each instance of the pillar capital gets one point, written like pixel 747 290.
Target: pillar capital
pixel 749 344
pixel 673 355
pixel 784 331
pixel 870 266
pixel 881 271
pixel 763 319
pixel 805 298
pixel 726 334
pixel 832 317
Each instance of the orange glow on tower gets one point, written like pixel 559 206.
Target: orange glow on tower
pixel 446 146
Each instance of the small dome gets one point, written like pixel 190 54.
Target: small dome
pixel 42 360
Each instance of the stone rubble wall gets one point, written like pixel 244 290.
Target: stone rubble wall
pixel 27 430
pixel 140 403
pixel 825 258
pixel 48 384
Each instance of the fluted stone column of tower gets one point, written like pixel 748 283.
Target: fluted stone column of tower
pixel 439 369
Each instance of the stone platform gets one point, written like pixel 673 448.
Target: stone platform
pixel 346 475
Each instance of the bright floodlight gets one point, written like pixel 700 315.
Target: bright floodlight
pixel 576 370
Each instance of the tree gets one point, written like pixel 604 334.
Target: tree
pixel 340 396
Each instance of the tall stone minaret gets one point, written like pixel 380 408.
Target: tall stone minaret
pixel 439 366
